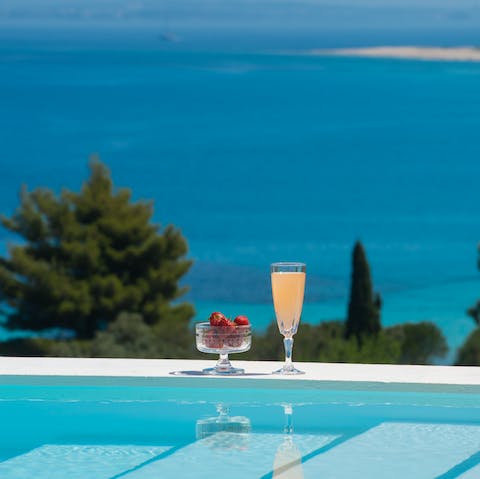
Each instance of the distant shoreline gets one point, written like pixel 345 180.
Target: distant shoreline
pixel 461 54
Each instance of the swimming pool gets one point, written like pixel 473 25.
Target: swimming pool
pixel 139 426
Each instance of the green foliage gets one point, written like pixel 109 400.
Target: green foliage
pixel 469 353
pixel 130 337
pixel 326 342
pixel 88 256
pixel 28 347
pixel 364 307
pixel 75 348
pixel 474 311
pixel 420 342
pixel 267 346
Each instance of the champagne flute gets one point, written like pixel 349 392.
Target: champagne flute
pixel 288 286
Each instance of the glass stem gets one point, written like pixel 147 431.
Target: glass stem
pixel 287 408
pixel 223 362
pixel 288 343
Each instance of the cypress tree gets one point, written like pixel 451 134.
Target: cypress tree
pixel 88 256
pixel 364 307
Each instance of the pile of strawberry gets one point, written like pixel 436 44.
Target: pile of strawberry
pixel 225 332
pixel 219 319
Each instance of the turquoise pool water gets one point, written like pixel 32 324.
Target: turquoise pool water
pixel 140 429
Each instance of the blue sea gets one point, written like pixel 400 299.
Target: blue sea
pixel 264 154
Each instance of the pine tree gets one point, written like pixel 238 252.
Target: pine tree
pixel 88 256
pixel 364 307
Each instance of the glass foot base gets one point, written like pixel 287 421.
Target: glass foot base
pixel 224 372
pixel 288 371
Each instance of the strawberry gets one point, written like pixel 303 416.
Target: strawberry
pixel 212 340
pixel 241 321
pixel 226 323
pixel 235 340
pixel 216 318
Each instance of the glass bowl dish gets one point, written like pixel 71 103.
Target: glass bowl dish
pixel 223 340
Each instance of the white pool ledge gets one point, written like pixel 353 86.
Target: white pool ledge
pixel 317 375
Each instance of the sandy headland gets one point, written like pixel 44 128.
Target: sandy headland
pixel 461 54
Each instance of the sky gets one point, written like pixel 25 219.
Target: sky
pixel 249 13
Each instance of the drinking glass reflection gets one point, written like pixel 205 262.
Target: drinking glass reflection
pixel 288 459
pixel 224 431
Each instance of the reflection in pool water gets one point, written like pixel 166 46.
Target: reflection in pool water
pixel 224 431
pixel 288 459
pixel 138 432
